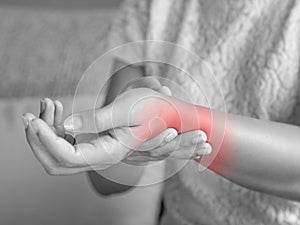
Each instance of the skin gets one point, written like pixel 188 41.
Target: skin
pixel 260 155
pixel 46 138
pixel 264 156
pixel 179 145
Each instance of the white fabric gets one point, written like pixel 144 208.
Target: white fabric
pixel 253 49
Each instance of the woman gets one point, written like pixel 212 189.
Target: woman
pixel 253 48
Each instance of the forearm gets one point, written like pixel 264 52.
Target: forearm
pixel 100 183
pixel 265 156
pixel 260 155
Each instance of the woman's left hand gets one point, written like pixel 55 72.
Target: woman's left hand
pixel 169 143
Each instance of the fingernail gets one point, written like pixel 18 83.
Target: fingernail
pixel 42 106
pixel 209 148
pixel 25 122
pixel 205 150
pixel 73 123
pixel 170 137
pixel 33 125
pixel 199 138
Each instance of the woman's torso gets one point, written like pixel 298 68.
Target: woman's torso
pixel 252 48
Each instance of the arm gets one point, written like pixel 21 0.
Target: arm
pixel 260 155
pixel 264 155
pixel 59 155
pixel 117 83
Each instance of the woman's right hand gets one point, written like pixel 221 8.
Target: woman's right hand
pixel 59 155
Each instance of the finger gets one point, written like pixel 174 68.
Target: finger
pixel 102 152
pixel 138 156
pixel 49 163
pixel 165 149
pixel 99 152
pixel 48 113
pixel 161 139
pixel 59 148
pixel 90 121
pixel 123 112
pixel 165 90
pixel 187 139
pixel 144 158
pixel 179 152
pixel 58 115
pixel 58 112
pixel 42 107
pixel 147 82
pixel 192 152
pixel 192 138
pixel 28 117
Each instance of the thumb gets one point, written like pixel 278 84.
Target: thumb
pixel 92 121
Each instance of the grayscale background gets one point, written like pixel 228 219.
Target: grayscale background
pixel 40 42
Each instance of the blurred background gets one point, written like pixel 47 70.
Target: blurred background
pixel 45 46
